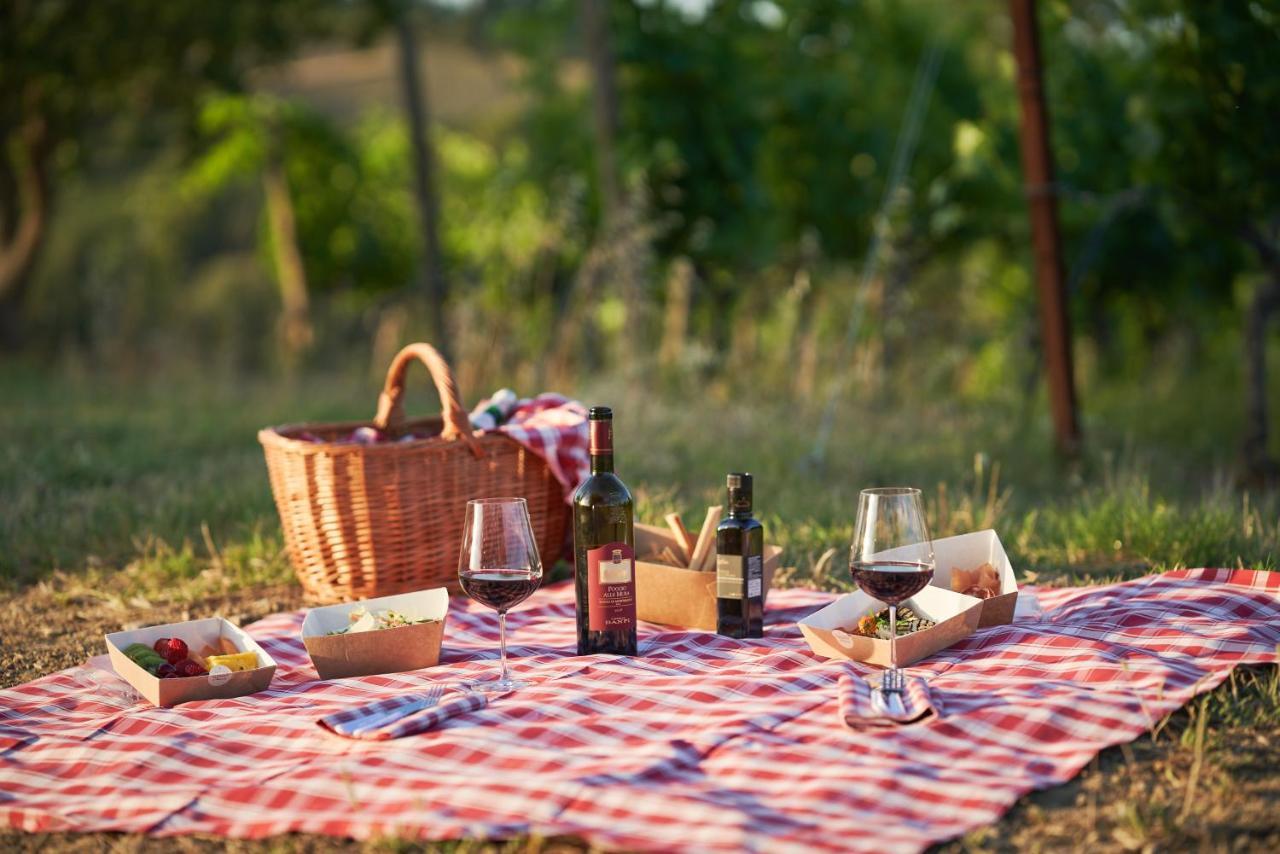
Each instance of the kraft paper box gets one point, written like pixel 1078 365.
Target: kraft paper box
pixel 197 634
pixel 382 650
pixel 677 596
pixel 969 551
pixel 829 631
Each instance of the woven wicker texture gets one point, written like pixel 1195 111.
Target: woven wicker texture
pixel 371 520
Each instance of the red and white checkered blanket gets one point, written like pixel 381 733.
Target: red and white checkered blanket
pixel 555 428
pixel 702 744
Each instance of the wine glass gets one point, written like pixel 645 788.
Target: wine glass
pixel 891 520
pixel 499 566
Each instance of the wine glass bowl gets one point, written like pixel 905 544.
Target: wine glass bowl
pixel 892 582
pixel 499 567
pixel 891 558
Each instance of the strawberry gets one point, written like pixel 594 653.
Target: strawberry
pixel 174 651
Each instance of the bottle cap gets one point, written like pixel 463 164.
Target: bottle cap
pixel 740 497
pixel 600 413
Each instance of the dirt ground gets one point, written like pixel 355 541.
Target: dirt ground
pixel 1216 791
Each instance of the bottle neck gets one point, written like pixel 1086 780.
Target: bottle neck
pixel 600 446
pixel 739 504
pixel 602 463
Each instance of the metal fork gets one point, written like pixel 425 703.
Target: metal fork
pixel 430 697
pixel 892 682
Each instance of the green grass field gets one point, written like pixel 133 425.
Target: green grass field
pixel 156 492
pixel 161 479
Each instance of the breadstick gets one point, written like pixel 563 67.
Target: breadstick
pixel 684 540
pixel 704 550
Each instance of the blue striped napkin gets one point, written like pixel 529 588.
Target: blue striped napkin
pixel 863 705
pixel 396 717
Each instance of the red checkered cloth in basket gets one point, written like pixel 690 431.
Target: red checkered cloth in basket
pixel 555 428
pixel 702 744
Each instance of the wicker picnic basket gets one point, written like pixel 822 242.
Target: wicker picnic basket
pixel 372 520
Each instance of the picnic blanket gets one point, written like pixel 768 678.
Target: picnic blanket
pixel 702 744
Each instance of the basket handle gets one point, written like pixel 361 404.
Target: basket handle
pixel 390 403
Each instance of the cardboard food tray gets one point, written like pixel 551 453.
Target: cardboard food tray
pixel 969 551
pixel 827 630
pixel 196 633
pixel 383 650
pixel 676 596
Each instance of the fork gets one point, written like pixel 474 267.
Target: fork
pixel 892 682
pixel 430 697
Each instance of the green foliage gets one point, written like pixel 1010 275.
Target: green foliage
pixel 76 66
pixel 1153 236
pixel 1212 96
pixel 354 212
pixel 756 140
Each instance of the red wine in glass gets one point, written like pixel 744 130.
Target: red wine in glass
pixel 891 520
pixel 498 566
pixel 892 582
pixel 500 589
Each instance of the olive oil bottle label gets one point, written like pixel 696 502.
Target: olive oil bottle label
pixel 729 577
pixel 611 587
pixel 755 576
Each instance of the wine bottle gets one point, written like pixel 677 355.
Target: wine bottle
pixel 604 549
pixel 740 565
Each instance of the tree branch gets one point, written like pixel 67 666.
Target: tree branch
pixel 9 199
pixel 27 225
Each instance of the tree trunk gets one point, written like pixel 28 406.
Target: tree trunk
pixel 291 274
pixel 25 197
pixel 417 110
pixel 1260 467
pixel 604 102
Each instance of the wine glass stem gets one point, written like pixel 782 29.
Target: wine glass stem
pixel 893 637
pixel 502 635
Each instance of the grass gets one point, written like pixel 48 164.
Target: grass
pixel 166 482
pixel 154 494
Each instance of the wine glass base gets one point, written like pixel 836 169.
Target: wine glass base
pixel 497 686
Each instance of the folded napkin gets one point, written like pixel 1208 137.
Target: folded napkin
pixel 396 717
pixel 863 705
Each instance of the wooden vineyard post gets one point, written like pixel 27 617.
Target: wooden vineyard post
pixel 1037 170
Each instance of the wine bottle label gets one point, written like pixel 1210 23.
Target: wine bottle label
pixel 729 576
pixel 755 576
pixel 611 587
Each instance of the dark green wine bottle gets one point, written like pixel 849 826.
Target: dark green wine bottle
pixel 740 565
pixel 604 550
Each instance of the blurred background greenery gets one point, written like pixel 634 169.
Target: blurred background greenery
pixel 212 214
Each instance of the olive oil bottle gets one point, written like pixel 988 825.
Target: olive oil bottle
pixel 740 565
